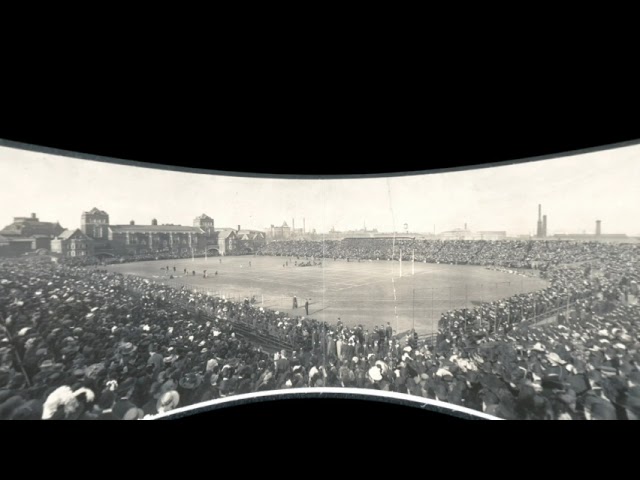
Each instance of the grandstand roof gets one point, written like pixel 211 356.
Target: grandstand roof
pixel 154 228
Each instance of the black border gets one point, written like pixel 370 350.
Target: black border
pixel 363 151
pixel 325 142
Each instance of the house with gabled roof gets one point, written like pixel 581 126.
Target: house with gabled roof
pixel 227 239
pixel 73 243
pixel 251 240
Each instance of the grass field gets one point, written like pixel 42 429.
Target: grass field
pixel 367 293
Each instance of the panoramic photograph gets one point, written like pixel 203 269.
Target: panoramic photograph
pixel 129 292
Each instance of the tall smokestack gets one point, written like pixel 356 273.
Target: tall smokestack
pixel 465 226
pixel 544 225
pixel 238 228
pixel 293 224
pixel 539 226
pixel 598 227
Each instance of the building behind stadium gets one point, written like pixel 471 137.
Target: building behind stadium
pixel 98 236
pixel 28 234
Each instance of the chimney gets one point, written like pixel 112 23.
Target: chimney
pixel 465 227
pixel 238 228
pixel 539 226
pixel 154 222
pixel 598 227
pixel 132 222
pixel 33 216
pixel 293 224
pixel 544 225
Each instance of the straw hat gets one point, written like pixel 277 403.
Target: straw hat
pixel 374 373
pixel 168 401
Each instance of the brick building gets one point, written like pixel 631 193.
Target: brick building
pixel 251 240
pixel 143 239
pixel 226 240
pixel 73 243
pixel 279 233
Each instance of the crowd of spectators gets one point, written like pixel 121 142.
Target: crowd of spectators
pixel 139 257
pixel 506 253
pixel 84 343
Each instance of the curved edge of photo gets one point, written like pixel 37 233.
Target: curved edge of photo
pixel 442 409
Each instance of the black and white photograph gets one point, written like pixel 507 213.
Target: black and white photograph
pixel 508 292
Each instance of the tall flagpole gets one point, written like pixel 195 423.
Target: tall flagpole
pixel 393 252
pixel 400 263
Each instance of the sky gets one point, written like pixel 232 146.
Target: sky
pixel 574 191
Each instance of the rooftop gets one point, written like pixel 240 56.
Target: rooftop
pixel 154 228
pixel 95 211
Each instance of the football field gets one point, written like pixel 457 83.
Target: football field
pixel 368 293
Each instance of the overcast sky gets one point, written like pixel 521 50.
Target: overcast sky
pixel 575 191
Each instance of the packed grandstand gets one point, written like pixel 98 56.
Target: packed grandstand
pixel 79 342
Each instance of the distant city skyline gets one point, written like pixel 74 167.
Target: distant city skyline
pixel 574 191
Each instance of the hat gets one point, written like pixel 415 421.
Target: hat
pixel 538 347
pixel 555 359
pixel 552 382
pixel 407 348
pixel 127 348
pixel 190 381
pixel 171 358
pixel 92 371
pixel 168 401
pixel 374 373
pixel 48 366
pixel 443 372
